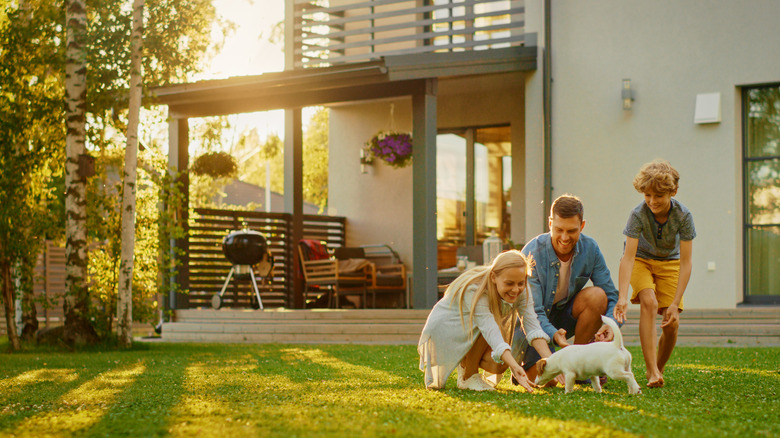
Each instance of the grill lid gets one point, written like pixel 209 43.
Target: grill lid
pixel 244 247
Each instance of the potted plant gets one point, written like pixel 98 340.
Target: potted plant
pixel 394 148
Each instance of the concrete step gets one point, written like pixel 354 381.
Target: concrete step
pixel 716 327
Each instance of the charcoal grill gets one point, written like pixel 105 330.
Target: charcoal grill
pixel 248 251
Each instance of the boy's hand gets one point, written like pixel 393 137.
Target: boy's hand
pixel 672 315
pixel 620 310
pixel 560 338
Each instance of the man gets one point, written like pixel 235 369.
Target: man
pixel 565 261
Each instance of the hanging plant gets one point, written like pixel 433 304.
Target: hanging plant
pixel 215 165
pixel 394 148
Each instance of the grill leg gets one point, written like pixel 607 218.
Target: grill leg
pixel 230 275
pixel 254 285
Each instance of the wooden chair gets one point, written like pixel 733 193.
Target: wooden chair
pixel 388 273
pixel 323 274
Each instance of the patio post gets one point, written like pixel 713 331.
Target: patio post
pixel 424 263
pixel 293 192
pixel 178 163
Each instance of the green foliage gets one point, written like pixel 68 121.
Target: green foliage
pixel 104 225
pixel 358 390
pixel 253 168
pixel 31 133
pixel 177 35
pixel 315 160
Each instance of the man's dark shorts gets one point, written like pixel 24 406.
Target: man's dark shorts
pixel 559 318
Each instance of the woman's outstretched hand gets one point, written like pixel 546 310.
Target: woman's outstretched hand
pixel 522 379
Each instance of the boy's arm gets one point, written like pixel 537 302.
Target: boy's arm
pixel 624 278
pixel 672 313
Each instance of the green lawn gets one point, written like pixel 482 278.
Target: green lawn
pixel 349 390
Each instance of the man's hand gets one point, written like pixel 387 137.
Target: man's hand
pixel 604 334
pixel 560 338
pixel 671 315
pixel 620 310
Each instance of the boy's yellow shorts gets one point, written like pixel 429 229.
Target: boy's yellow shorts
pixel 659 275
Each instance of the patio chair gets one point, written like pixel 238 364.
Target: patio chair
pixel 320 272
pixel 388 273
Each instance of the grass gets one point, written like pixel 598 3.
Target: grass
pixel 350 390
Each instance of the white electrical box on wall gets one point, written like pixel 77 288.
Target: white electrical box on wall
pixel 707 108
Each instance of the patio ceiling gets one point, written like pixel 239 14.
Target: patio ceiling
pixel 388 77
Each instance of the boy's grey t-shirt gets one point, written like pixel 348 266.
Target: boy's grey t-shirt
pixel 663 244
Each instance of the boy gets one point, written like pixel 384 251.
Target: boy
pixel 657 261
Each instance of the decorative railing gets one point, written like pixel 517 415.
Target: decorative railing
pixel 330 32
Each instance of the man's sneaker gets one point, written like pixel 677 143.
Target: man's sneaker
pixel 475 383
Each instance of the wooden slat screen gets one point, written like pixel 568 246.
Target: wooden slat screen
pixel 208 268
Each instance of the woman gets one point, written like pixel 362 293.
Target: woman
pixel 472 326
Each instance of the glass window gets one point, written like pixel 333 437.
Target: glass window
pixel 762 193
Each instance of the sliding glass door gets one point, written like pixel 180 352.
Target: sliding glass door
pixel 474 180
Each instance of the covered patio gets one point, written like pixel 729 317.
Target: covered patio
pixel 412 76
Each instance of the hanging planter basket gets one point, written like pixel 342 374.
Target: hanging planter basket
pixel 394 148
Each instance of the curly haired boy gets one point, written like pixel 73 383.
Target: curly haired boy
pixel 657 263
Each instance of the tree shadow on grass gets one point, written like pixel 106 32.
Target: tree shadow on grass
pixel 36 387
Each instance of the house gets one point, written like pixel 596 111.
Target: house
pixel 512 103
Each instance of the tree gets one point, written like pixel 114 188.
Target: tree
pixel 125 296
pixel 78 329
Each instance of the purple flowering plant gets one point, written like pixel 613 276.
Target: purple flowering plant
pixel 395 148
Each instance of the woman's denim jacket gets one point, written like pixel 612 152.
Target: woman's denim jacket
pixel 587 264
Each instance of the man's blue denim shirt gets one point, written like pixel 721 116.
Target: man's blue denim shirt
pixel 587 264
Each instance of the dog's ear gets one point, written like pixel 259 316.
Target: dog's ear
pixel 540 365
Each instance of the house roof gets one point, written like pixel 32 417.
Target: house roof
pixel 393 76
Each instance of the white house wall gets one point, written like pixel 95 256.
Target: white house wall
pixel 671 51
pixel 378 205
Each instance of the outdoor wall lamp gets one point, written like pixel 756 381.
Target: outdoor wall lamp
pixel 365 160
pixel 627 94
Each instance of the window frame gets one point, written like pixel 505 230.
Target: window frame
pixel 747 225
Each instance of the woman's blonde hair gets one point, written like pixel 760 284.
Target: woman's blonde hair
pixel 658 177
pixel 481 277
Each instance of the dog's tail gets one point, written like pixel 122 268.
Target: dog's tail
pixel 618 336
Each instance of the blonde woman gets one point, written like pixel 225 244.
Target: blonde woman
pixel 472 326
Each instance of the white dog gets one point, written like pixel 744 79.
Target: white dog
pixel 589 361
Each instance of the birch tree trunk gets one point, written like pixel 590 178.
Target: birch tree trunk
pixel 125 297
pixel 78 329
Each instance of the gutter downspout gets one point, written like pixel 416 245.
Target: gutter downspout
pixel 547 110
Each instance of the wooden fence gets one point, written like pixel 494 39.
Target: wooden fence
pixel 48 287
pixel 208 267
